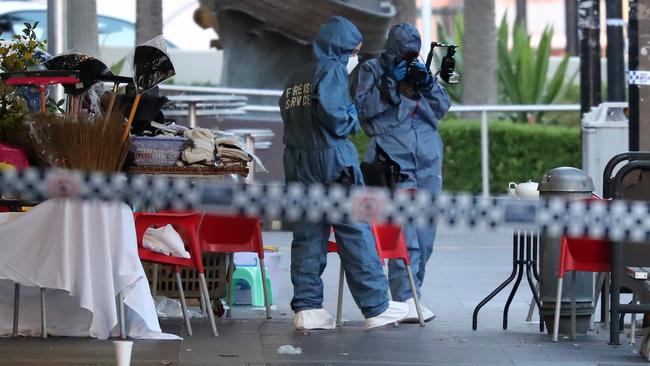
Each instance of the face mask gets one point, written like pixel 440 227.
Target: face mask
pixel 353 61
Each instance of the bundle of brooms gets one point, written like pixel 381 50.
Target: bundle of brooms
pixel 74 142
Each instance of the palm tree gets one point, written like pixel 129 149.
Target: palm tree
pixel 82 26
pixel 479 53
pixel 149 18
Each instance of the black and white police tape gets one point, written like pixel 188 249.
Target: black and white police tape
pixel 615 220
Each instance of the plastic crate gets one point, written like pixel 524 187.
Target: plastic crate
pixel 215 277
pixel 156 151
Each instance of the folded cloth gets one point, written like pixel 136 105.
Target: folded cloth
pixel 229 151
pixel 202 148
pixel 228 140
pixel 226 145
pixel 164 240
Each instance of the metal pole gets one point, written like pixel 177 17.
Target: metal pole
pixel 521 13
pixel 426 23
pixel 55 26
pixel 485 162
pixel 615 69
pixel 191 108
pixel 56 40
pixel 571 24
pixel 249 140
pixel 589 36
pixel 633 65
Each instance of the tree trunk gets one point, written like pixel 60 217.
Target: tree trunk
pixel 479 53
pixel 149 19
pixel 406 11
pixel 82 26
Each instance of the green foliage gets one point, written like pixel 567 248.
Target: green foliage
pixel 522 69
pixel 518 152
pixel 16 55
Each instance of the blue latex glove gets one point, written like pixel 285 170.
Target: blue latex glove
pixel 429 81
pixel 352 112
pixel 397 71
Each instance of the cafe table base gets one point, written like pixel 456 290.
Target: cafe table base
pixel 524 260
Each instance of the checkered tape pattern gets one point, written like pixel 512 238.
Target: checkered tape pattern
pixel 141 190
pixel 600 219
pixel 639 77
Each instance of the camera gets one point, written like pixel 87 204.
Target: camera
pixel 414 74
pixel 447 64
pixel 415 77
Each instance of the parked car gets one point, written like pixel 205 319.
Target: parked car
pixel 113 32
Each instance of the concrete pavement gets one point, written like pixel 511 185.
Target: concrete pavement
pixel 465 267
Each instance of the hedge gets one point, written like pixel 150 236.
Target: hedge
pixel 518 152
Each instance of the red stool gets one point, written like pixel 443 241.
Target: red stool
pixel 234 234
pixel 187 225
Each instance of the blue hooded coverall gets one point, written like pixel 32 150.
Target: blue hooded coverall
pixel 317 121
pixel 407 131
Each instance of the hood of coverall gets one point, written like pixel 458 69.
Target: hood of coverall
pixel 336 40
pixel 402 39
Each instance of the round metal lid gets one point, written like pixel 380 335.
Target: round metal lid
pixel 566 179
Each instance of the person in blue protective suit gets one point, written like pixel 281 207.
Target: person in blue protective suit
pixel 401 117
pixel 318 116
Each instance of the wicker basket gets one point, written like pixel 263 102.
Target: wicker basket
pixel 156 151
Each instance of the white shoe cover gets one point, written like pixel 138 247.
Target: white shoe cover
pixel 427 314
pixel 396 311
pixel 313 319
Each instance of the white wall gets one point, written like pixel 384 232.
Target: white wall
pixel 574 67
pixel 192 67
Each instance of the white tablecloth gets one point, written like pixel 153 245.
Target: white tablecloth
pixel 84 253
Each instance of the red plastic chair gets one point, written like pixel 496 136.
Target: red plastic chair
pixel 187 225
pixel 579 254
pixel 390 243
pixel 234 234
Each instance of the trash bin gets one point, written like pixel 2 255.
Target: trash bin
pixel 604 134
pixel 571 184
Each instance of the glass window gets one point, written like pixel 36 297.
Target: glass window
pixel 115 32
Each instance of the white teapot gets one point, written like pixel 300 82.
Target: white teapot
pixel 524 190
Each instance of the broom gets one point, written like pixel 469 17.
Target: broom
pixel 74 142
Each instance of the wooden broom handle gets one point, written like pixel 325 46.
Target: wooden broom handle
pixel 111 103
pixel 131 117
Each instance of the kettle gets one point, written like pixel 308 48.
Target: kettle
pixel 524 190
